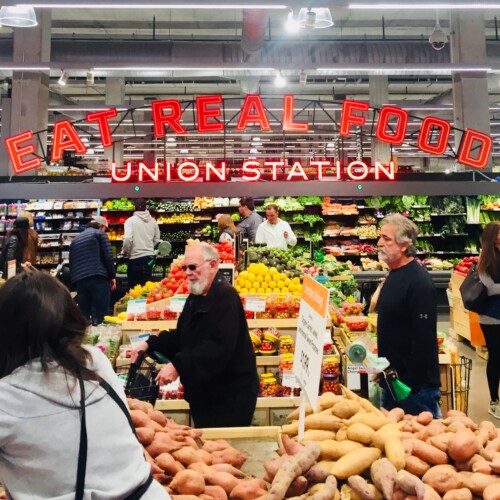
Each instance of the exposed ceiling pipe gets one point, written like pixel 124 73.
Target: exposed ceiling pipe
pixel 254 29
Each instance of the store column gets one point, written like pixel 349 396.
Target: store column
pixel 115 94
pixel 27 108
pixel 379 95
pixel 470 90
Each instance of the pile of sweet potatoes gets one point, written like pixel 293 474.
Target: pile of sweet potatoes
pixel 187 466
pixel 389 455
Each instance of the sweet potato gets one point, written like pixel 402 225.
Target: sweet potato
pixel 272 466
pixel 360 432
pixel 429 453
pixel 168 464
pixel 481 465
pixel 158 446
pixel 416 466
pixel 294 467
pixel 223 479
pixel 459 494
pixel 317 435
pixel 248 490
pixel 158 417
pixel 139 418
pixel 355 462
pixel 229 468
pixel 361 487
pixel 186 456
pixel 370 419
pixel 395 415
pixel 379 437
pixel 297 488
pixel 188 482
pixel 495 463
pixel 333 450
pixel 492 492
pixel 327 400
pixel 229 456
pixel 216 492
pixel 383 475
pixel 136 404
pixel 145 435
pixel 490 427
pixel 425 418
pixel 462 446
pixel 294 415
pixel 478 482
pixel 316 474
pixel 395 452
pixel 217 445
pixel 323 422
pixel 328 491
pixel 468 422
pixel 162 478
pixel 435 428
pixel 443 478
pixel 291 429
pixel 346 408
pixel 441 441
pixel 341 434
pixel 410 484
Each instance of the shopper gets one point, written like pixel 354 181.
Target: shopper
pixel 211 349
pixel 16 245
pixel 251 219
pixel 489 273
pixel 43 366
pixel 92 270
pixel 275 232
pixel 142 234
pixel 31 250
pixel 407 319
pixel 227 229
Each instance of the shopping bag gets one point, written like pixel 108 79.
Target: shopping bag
pixel 474 293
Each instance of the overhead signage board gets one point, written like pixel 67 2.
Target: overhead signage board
pixel 391 127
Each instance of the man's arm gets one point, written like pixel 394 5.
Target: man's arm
pixel 157 237
pixel 291 239
pixel 260 236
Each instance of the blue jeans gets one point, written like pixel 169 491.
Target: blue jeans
pixel 139 271
pixel 92 297
pixel 426 399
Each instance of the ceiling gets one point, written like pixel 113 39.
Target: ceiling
pixel 195 49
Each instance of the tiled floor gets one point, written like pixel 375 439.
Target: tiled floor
pixel 479 397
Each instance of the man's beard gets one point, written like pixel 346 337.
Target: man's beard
pixel 197 287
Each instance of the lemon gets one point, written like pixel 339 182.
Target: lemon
pixel 284 290
pixel 248 284
pixel 282 276
pixel 268 278
pixel 256 284
pixel 251 277
pixel 264 285
pixel 237 288
pixel 296 281
pixel 260 290
pixel 272 284
pixel 259 278
pixel 273 271
pixel 291 287
pixel 280 284
pixel 276 290
pixel 243 275
pixel 244 290
pixel 252 290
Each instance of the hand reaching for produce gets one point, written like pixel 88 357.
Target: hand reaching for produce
pixel 167 374
pixel 285 234
pixel 141 347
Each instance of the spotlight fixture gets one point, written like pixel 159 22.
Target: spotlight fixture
pixel 90 77
pixel 63 79
pixel 279 81
pixel 18 17
pixel 318 18
pixel 291 25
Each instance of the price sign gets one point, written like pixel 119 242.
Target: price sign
pixel 227 270
pixel 310 337
pixel 289 380
pixel 255 304
pixel 140 337
pixel 353 378
pixel 177 304
pixel 136 306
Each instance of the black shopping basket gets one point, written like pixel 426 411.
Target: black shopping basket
pixel 141 382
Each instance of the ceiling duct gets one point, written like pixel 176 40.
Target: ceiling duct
pixel 254 29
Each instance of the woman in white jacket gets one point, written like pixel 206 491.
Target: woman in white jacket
pixel 55 395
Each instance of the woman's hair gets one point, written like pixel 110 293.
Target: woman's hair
pixel 22 236
pixel 406 232
pixel 27 215
pixel 41 320
pixel 489 262
pixel 225 221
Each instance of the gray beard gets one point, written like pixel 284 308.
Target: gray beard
pixel 197 288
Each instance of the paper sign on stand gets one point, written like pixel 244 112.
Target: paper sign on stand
pixel 136 306
pixel 177 304
pixel 308 355
pixel 255 304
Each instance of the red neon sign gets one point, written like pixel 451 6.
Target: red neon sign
pixel 474 149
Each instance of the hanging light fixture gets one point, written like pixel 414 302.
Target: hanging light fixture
pixel 317 18
pixel 18 17
pixel 279 81
pixel 90 77
pixel 63 79
pixel 291 25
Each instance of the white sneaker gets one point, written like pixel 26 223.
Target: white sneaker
pixel 494 409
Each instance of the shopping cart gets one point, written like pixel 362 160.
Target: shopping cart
pixel 141 382
pixel 461 385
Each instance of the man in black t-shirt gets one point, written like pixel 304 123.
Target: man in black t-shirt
pixel 407 319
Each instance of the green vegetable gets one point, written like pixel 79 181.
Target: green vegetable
pixel 473 205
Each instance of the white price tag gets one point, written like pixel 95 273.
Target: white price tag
pixel 353 377
pixel 140 337
pixel 136 306
pixel 255 304
pixel 11 269
pixel 328 336
pixel 288 379
pixel 177 304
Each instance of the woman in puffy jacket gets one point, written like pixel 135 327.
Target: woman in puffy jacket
pixel 16 245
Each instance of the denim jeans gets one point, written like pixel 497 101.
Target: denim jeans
pixel 426 399
pixel 139 271
pixel 92 297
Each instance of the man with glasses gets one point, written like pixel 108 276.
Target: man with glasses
pixel 210 350
pixel 251 219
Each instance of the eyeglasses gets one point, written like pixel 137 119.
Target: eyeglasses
pixel 193 267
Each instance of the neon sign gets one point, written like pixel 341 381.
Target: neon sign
pixel 391 128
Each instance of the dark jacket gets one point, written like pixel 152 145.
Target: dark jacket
pixel 90 254
pixel 211 348
pixel 11 251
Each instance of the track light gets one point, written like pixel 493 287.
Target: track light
pixel 18 17
pixel 63 79
pixel 279 81
pixel 318 18
pixel 90 77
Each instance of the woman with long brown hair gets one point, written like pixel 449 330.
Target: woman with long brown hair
pixel 227 229
pixel 489 273
pixel 15 245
